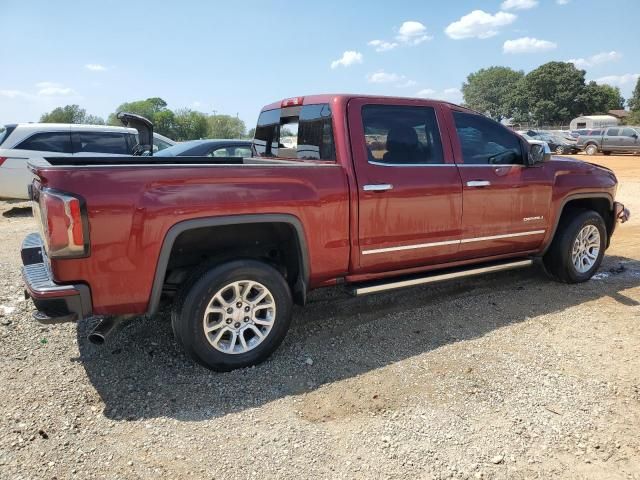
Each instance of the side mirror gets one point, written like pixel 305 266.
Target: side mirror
pixel 635 135
pixel 538 153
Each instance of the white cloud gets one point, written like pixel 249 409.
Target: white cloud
pixel 350 57
pixel 596 59
pixel 412 33
pixel 562 2
pixel 95 67
pixel 382 45
pixel 527 45
pixel 426 93
pixel 407 84
pixel 519 4
pixel 14 94
pixel 51 89
pixel 448 94
pixel 619 80
pixel 383 77
pixel 479 24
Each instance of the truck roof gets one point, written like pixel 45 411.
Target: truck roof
pixel 340 97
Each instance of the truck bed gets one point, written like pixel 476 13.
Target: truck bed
pixel 132 202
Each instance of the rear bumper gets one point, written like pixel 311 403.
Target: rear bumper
pixel 54 303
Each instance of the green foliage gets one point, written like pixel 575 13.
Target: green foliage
pixel 251 133
pixel 70 114
pixel 489 91
pixel 599 99
pixel 552 93
pixel 189 125
pixel 225 126
pixel 634 101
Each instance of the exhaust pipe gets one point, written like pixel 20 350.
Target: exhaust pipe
pixel 105 328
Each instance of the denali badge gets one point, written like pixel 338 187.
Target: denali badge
pixel 531 219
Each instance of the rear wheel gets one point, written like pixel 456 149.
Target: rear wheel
pixel 234 315
pixel 559 149
pixel 577 248
pixel 591 149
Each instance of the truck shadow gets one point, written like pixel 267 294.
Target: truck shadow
pixel 142 373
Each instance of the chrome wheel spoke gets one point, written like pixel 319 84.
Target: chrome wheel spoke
pixel 239 317
pixel 586 248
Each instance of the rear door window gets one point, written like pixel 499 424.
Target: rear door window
pixel 101 142
pixel 303 132
pixel 613 132
pixel 400 135
pixel 57 142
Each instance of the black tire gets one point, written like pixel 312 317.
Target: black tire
pixel 560 150
pixel 189 307
pixel 591 149
pixel 606 153
pixel 558 259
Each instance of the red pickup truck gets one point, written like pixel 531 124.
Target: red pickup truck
pixel 376 193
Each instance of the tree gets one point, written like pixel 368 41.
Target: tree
pixel 225 126
pixel 634 105
pixel 251 133
pixel 70 114
pixel 598 99
pixel 154 108
pixel 189 125
pixel 552 93
pixel 489 90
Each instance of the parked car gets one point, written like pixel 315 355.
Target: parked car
pixel 23 141
pixel 209 148
pixel 557 144
pixel 379 193
pixel 611 140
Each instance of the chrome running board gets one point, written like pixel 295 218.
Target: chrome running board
pixel 440 277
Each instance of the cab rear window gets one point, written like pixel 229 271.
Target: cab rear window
pixel 303 132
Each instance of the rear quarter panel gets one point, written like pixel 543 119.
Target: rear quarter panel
pixel 131 209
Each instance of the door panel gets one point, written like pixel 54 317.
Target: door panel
pixel 409 210
pixel 505 203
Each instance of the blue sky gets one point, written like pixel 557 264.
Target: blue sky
pixel 234 57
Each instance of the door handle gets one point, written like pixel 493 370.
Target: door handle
pixel 478 183
pixel 382 187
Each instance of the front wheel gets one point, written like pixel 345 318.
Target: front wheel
pixel 233 315
pixel 560 150
pixel 577 249
pixel 591 149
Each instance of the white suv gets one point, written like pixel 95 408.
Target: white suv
pixel 20 142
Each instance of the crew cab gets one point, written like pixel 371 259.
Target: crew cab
pixel 377 193
pixel 610 140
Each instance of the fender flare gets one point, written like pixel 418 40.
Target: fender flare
pixel 172 234
pixel 576 196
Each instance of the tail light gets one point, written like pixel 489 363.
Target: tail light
pixel 2 160
pixel 64 224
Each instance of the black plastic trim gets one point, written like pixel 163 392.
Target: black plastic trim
pixel 177 229
pixel 577 196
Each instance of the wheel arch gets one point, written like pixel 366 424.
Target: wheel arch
pixel 301 282
pixel 600 202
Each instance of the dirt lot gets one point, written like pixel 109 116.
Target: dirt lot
pixel 507 376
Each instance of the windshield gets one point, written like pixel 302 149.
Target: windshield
pixel 295 132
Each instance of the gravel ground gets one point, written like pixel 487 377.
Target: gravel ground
pixel 505 376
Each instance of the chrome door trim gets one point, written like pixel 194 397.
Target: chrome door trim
pixel 451 242
pixel 506 235
pixel 410 247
